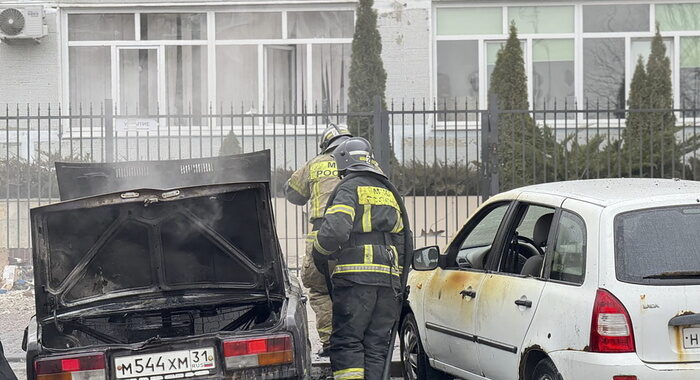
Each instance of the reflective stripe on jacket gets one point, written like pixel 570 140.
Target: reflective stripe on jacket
pixel 363 229
pixel 314 182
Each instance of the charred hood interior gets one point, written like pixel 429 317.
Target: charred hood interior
pixel 105 250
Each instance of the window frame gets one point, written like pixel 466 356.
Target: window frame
pixel 519 209
pixel 549 255
pixel 209 45
pixel 453 249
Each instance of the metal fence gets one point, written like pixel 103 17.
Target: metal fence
pixel 444 157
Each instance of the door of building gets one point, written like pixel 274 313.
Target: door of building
pixel 280 78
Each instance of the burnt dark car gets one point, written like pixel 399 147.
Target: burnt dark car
pixel 163 284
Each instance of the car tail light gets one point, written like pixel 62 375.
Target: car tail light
pixel 611 327
pixel 621 377
pixel 258 351
pixel 85 367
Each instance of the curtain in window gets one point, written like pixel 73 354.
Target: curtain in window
pixel 90 76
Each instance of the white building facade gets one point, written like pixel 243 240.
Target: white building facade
pixel 294 56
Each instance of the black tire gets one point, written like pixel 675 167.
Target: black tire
pixel 546 370
pixel 415 365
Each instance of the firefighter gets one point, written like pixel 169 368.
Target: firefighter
pixel 314 182
pixel 363 229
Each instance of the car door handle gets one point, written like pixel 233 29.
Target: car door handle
pixel 468 293
pixel 525 303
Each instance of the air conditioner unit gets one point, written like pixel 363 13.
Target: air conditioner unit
pixel 22 23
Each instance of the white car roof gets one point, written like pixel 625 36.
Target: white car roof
pixel 606 192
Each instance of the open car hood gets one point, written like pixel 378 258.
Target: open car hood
pixel 145 244
pixel 80 179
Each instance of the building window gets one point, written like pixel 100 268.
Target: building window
pixel 607 39
pixel 248 25
pixel 90 79
pixel 331 68
pixel 641 47
pixel 690 72
pixel 604 73
pixel 678 17
pixel 458 73
pixel 173 26
pixel 607 18
pixel 138 81
pixel 532 20
pixel 186 79
pixel 101 27
pixel 164 66
pixel 473 20
pixel 237 89
pixel 324 24
pixel 553 73
pixel 281 78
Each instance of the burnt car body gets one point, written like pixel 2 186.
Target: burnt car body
pixel 166 283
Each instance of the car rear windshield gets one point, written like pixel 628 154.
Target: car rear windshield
pixel 659 246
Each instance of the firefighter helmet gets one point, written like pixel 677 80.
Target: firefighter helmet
pixel 355 155
pixel 332 137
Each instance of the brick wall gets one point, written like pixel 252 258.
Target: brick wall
pixel 30 72
pixel 405 29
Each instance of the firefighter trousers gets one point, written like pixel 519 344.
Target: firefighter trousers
pixel 363 316
pixel 319 298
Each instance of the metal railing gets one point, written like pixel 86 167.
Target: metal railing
pixel 444 157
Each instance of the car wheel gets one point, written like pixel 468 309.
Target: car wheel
pixel 413 357
pixel 546 370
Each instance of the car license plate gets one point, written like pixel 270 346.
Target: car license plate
pixel 691 337
pixel 197 362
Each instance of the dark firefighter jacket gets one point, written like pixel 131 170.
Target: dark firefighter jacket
pixel 363 229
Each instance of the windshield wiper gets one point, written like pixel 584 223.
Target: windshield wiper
pixel 678 274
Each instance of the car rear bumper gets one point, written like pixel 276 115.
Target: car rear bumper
pixel 575 365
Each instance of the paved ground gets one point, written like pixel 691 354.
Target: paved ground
pixel 17 307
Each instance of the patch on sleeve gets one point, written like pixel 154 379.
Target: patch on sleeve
pixel 377 196
pixel 323 169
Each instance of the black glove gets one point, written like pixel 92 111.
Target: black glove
pixel 321 262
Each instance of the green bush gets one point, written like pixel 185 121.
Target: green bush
pixel 416 178
pixel 21 178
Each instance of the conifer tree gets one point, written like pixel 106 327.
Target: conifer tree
pixel 230 145
pixel 636 130
pixel 664 157
pixel 367 74
pixel 651 148
pixel 521 141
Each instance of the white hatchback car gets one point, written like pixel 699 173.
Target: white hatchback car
pixel 594 280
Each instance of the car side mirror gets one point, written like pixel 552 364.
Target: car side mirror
pixel 427 258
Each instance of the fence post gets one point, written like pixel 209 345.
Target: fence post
pixel 489 149
pixel 382 143
pixel 109 131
